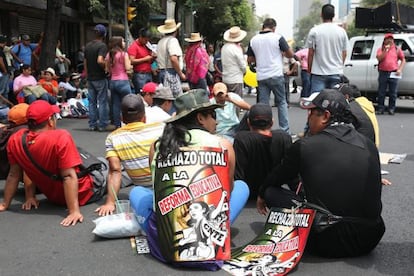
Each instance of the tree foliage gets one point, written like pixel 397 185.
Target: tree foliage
pixel 304 24
pixel 211 19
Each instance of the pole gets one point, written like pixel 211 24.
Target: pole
pixel 110 18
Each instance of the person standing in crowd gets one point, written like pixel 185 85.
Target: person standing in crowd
pixel 117 65
pixel 169 57
pixel 211 70
pixel 233 61
pixel 259 149
pixel 197 62
pixel 95 52
pixel 128 147
pixel 218 66
pixel 302 56
pixel 62 62
pixel 141 58
pixel 22 51
pixel 266 51
pixel 227 119
pixel 55 151
pixel 340 171
pixel 391 63
pixel 4 70
pixel 327 44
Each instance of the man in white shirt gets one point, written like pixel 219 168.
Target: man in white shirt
pixel 327 43
pixel 266 50
pixel 163 100
pixel 233 61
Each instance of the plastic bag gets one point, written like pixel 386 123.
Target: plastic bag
pixel 116 226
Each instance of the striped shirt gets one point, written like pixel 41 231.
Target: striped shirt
pixel 131 144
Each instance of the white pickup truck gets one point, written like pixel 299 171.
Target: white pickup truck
pixel 361 64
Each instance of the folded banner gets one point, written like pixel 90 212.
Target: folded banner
pixel 192 192
pixel 278 249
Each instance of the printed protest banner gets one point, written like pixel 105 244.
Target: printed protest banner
pixel 278 249
pixel 192 192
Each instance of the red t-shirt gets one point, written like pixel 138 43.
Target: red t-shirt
pixel 53 150
pixel 139 51
pixel 49 86
pixel 390 62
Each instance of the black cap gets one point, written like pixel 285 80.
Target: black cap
pixel 132 104
pixel 260 115
pixel 351 90
pixel 329 99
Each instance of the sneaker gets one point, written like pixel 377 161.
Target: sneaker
pixel 93 128
pixel 391 112
pixel 107 128
pixel 379 112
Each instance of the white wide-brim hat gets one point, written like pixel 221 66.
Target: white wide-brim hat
pixel 169 26
pixel 234 34
pixel 194 37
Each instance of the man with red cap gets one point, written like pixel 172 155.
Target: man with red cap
pixel 50 158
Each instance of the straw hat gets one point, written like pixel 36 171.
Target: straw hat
pixel 234 34
pixel 169 26
pixel 51 71
pixel 195 37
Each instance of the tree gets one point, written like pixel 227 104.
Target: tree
pixel 211 20
pixel 304 24
pixel 51 33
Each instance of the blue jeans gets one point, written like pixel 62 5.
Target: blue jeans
pixel 98 103
pixel 46 97
pixel 139 80
pixel 305 76
pixel 4 85
pixel 320 82
pixel 202 84
pixel 119 88
pixel 277 85
pixel 384 80
pixel 142 200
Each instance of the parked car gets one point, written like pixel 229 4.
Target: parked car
pixel 361 64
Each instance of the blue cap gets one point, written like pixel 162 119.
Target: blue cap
pixel 100 29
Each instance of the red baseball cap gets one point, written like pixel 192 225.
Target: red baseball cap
pixel 149 87
pixel 388 35
pixel 40 111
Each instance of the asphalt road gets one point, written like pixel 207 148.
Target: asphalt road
pixel 33 243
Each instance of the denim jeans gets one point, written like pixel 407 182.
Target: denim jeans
pixel 320 82
pixel 277 85
pixel 202 84
pixel 119 89
pixel 385 81
pixel 98 103
pixel 46 97
pixel 305 76
pixel 139 80
pixel 4 85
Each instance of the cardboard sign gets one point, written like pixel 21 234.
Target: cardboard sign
pixel 278 249
pixel 192 192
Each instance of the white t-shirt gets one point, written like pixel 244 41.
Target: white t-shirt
pixel 267 48
pixel 328 41
pixel 233 62
pixel 155 114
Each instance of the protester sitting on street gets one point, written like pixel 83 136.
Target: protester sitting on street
pixel 363 112
pixel 128 147
pixel 259 149
pixel 48 82
pixel 53 150
pixel 340 171
pixel 163 100
pixel 147 92
pixel 23 80
pixel 193 126
pixel 227 118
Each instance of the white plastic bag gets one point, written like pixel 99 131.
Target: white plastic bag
pixel 116 226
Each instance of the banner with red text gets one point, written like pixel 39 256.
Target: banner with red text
pixel 192 193
pixel 278 249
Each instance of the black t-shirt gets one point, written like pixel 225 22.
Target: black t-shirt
pixel 256 155
pixel 93 50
